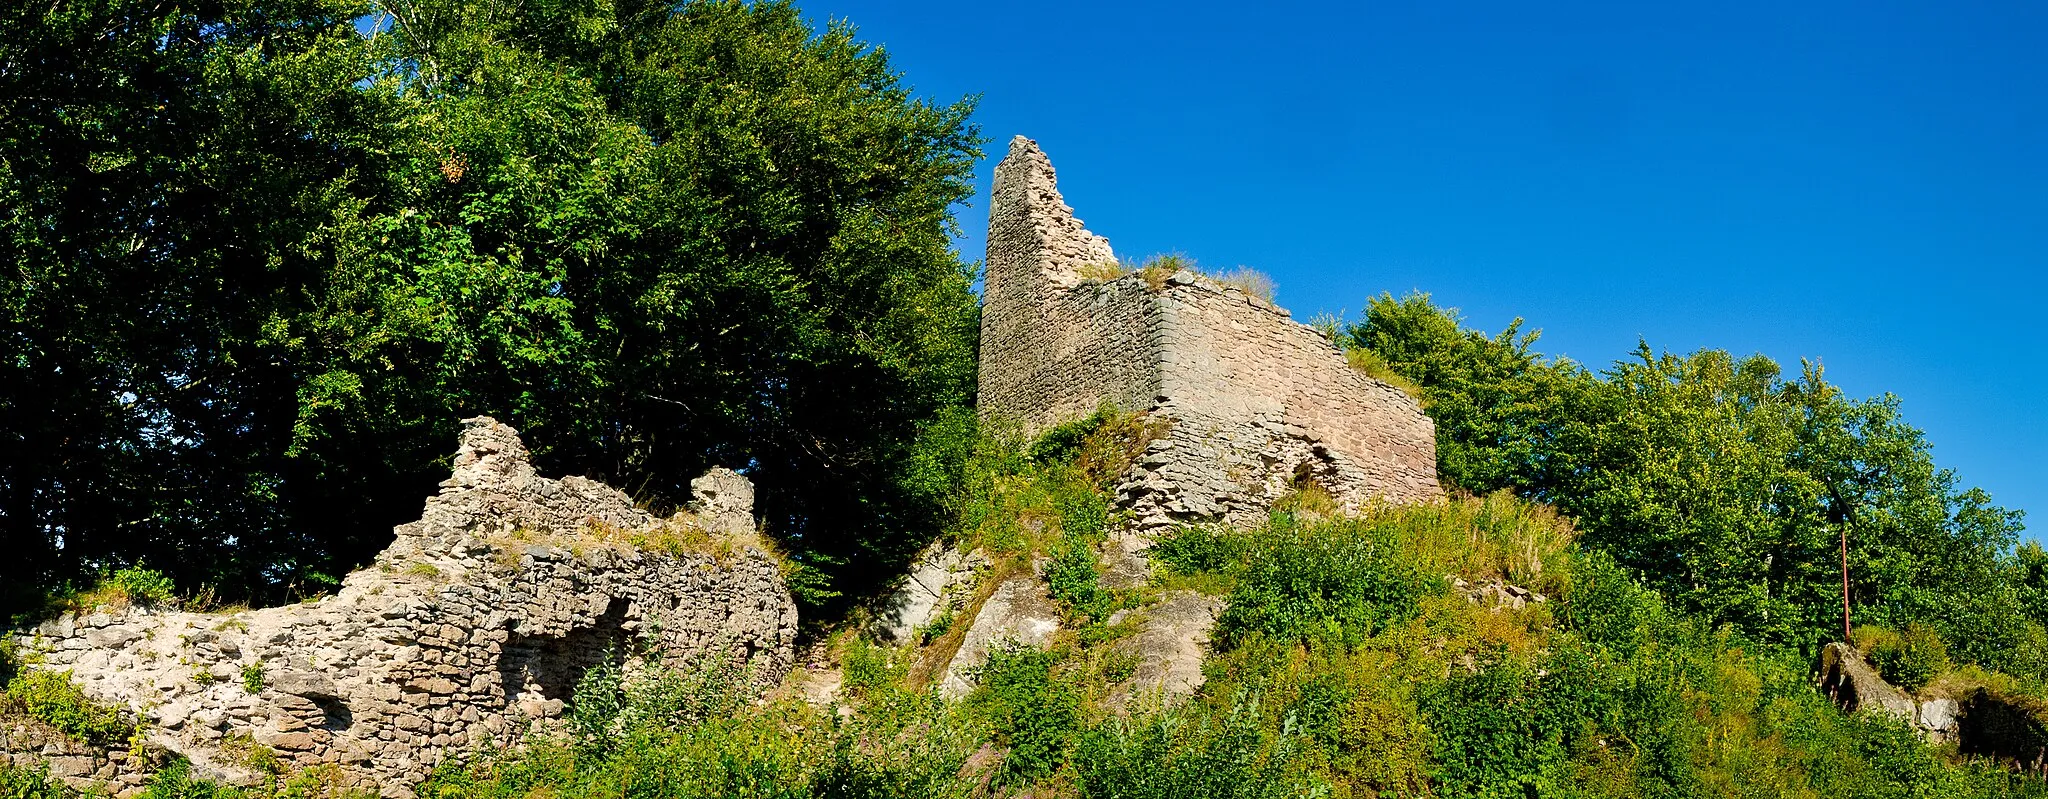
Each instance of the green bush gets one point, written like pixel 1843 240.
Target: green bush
pixel 1508 731
pixel 1187 753
pixel 1909 658
pixel 1035 714
pixel 52 697
pixel 1191 550
pixel 17 782
pixel 175 781
pixel 1073 576
pixel 1341 581
pixel 1064 441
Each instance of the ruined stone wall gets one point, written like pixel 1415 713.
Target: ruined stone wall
pixel 1054 345
pixel 1263 404
pixel 1259 404
pixel 472 628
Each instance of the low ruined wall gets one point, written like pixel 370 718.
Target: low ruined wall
pixel 473 627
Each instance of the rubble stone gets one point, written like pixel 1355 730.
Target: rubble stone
pixel 473 626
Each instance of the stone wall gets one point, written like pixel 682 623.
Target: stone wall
pixel 1055 346
pixel 470 630
pixel 1259 403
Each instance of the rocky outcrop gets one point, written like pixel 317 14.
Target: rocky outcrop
pixel 1980 721
pixel 472 628
pixel 1018 612
pixel 1172 638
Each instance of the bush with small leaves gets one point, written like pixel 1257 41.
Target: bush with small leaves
pixel 53 698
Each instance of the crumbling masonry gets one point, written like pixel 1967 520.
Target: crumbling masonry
pixel 1254 405
pixel 471 629
pixel 1259 403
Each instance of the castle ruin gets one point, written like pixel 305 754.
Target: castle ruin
pixel 1259 404
pixel 470 631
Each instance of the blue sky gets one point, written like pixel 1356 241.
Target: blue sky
pixel 1866 183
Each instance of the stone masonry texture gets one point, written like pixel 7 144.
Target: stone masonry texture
pixel 1254 405
pixel 1259 404
pixel 472 629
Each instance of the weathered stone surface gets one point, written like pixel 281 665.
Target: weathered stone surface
pixel 475 624
pixel 1170 644
pixel 1258 403
pixel 938 583
pixel 1019 611
pixel 1850 681
pixel 723 501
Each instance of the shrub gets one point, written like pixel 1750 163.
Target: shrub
pixel 17 782
pixel 1190 550
pixel 134 585
pixel 52 697
pixel 1184 752
pixel 1508 731
pixel 175 781
pixel 1606 606
pixel 1060 444
pixel 1910 658
pixel 1073 576
pixel 252 678
pixel 1035 714
pixel 1339 581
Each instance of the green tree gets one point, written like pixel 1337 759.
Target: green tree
pixel 1726 486
pixel 261 261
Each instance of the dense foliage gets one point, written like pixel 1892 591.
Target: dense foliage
pixel 260 255
pixel 1726 486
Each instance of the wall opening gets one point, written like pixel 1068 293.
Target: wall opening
pixel 552 665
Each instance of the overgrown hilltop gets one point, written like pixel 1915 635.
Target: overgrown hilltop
pixel 1727 487
pixel 1474 648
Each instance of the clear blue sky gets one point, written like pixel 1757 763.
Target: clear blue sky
pixel 1862 183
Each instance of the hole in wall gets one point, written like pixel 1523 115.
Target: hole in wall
pixel 552 665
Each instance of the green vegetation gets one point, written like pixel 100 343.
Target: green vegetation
pixel 54 699
pixel 1345 666
pixel 260 263
pixel 1727 488
pixel 252 678
pixel 1910 658
pixel 263 261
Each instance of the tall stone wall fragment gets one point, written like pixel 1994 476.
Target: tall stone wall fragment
pixel 1254 404
pixel 1260 404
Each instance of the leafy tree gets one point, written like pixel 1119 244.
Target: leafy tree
pixel 261 261
pixel 1726 486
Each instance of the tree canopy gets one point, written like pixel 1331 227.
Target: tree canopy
pixel 1725 484
pixel 261 256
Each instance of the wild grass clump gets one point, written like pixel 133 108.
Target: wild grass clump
pixel 133 586
pixel 1158 268
pixel 1376 367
